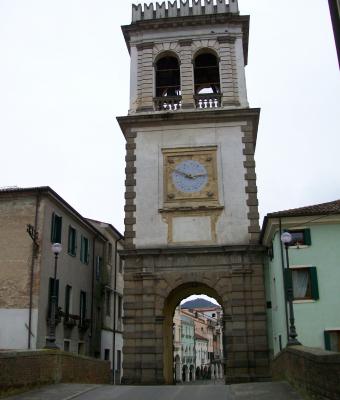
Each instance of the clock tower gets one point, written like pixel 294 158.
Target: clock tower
pixel 191 209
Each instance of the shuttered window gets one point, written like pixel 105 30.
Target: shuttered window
pixel 56 226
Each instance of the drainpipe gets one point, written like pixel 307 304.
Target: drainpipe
pixel 114 314
pixel 34 254
pixel 283 274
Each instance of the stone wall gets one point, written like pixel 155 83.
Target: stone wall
pixel 26 369
pixel 313 372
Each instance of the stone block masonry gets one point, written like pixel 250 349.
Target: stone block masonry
pixel 23 370
pixel 313 372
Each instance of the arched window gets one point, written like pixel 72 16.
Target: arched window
pixel 207 81
pixel 168 77
pixel 168 83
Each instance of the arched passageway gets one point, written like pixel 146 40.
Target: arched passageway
pixel 189 319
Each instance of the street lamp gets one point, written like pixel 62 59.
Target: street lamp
pixel 286 238
pixel 50 339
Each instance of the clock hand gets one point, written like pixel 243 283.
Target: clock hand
pixel 184 173
pixel 198 175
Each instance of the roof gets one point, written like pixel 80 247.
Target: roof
pixel 113 229
pixel 332 207
pixel 322 209
pixel 46 190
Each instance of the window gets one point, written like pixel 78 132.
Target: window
pixel 120 311
pixel 206 74
pixel 109 253
pixel 81 348
pixel 305 283
pixel 84 250
pixel 106 354
pixel 68 299
pixel 82 306
pixel 72 241
pixel 108 303
pixel 119 360
pixel 50 293
pixel 120 265
pixel 332 340
pixel 66 345
pixel 98 267
pixel 168 79
pixel 56 228
pixel 300 237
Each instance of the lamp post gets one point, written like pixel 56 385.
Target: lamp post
pixel 51 339
pixel 286 238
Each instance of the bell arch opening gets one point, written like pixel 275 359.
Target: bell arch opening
pixel 193 341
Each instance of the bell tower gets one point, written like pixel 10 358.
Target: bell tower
pixel 191 210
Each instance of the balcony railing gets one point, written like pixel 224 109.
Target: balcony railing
pixel 209 100
pixel 167 103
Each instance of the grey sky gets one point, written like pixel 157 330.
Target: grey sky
pixel 64 77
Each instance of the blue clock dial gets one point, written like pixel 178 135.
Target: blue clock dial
pixel 189 176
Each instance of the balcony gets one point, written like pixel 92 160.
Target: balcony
pixel 167 103
pixel 208 100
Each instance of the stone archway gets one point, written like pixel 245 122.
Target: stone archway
pixel 157 280
pixel 171 302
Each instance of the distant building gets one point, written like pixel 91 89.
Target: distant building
pixel 314 255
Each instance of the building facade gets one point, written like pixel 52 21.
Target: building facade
pixel 314 269
pixel 191 216
pixel 31 220
pixel 111 295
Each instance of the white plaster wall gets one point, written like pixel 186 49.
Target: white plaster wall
pixel 14 328
pixel 107 343
pixel 232 226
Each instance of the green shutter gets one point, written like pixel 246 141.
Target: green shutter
pixel 58 223
pixel 52 228
pixel 69 245
pixel 327 340
pixel 81 248
pixel 314 283
pixel 307 237
pixel 288 280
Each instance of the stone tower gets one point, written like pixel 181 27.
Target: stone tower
pixel 191 215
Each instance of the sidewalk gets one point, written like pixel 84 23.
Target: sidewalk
pixel 62 391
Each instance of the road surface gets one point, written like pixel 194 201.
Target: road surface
pixel 248 391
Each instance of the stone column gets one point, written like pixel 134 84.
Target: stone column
pixel 228 72
pixel 187 76
pixel 178 371
pixel 145 77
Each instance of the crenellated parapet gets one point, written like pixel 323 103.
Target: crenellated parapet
pixel 173 9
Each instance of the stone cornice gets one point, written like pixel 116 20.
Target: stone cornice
pixel 193 20
pixel 180 251
pixel 194 117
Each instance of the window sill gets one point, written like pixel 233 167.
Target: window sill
pixel 299 247
pixel 71 254
pixel 304 301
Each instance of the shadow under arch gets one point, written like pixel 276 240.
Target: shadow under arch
pixel 171 302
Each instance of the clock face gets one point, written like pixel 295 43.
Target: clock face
pixel 189 176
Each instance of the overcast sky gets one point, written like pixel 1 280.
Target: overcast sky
pixel 64 77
